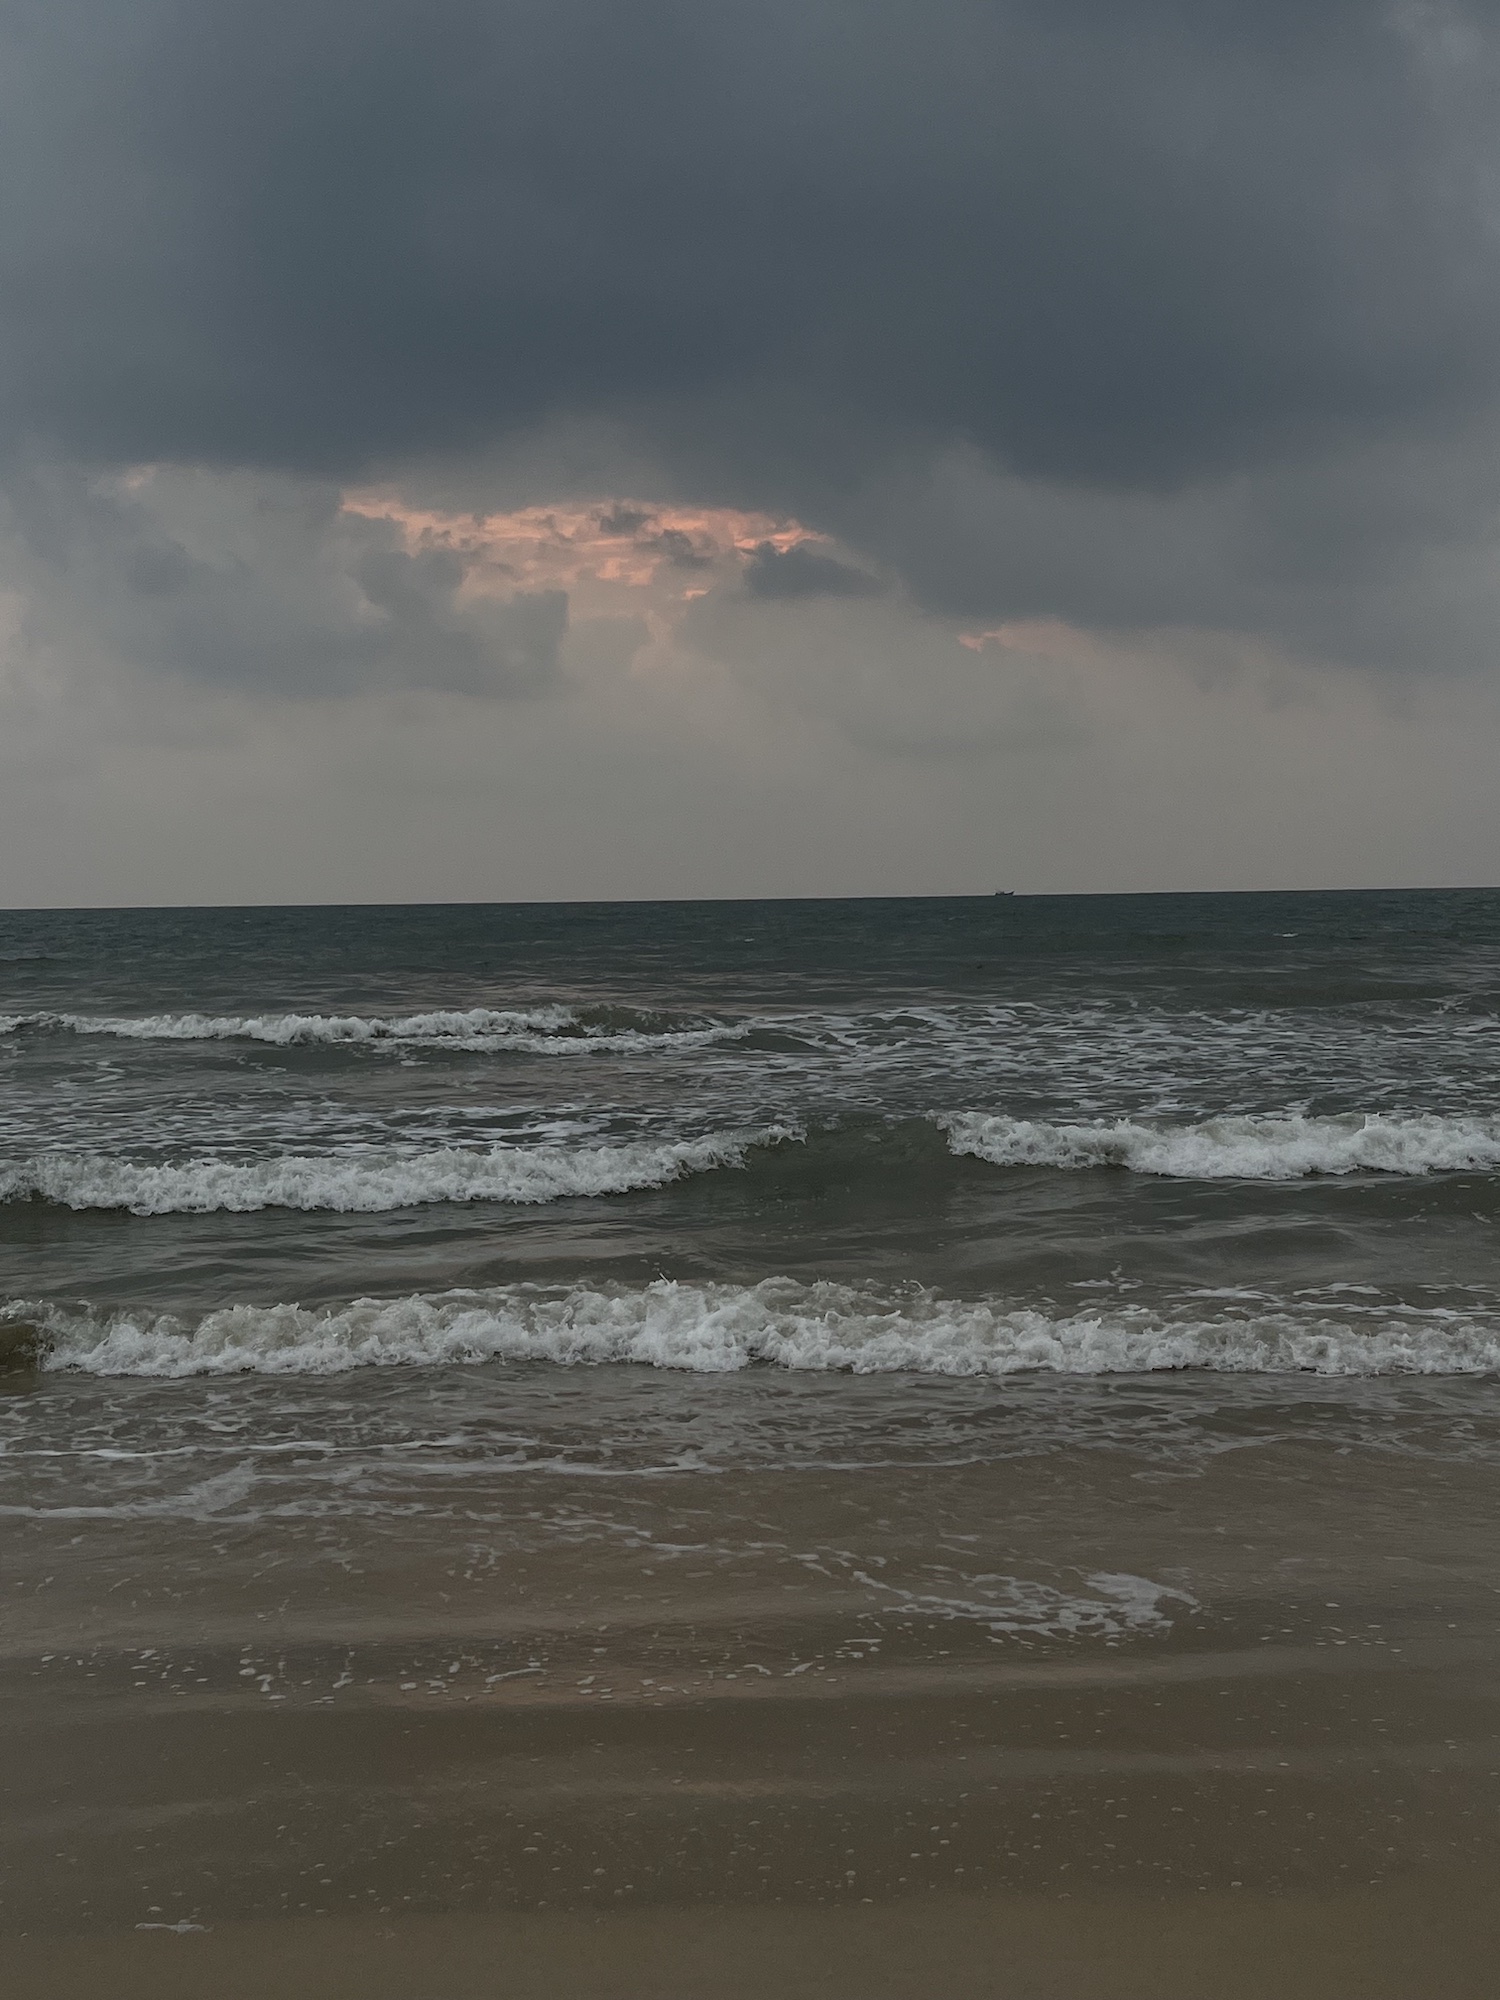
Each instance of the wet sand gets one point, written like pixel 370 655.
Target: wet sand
pixel 1372 1946
pixel 1211 1825
pixel 1066 1725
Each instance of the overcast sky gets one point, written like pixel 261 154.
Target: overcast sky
pixel 571 448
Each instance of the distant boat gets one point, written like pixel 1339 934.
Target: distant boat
pixel 1005 892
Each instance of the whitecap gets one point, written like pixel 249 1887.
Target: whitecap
pixel 1285 1147
pixel 374 1181
pixel 710 1328
pixel 548 1030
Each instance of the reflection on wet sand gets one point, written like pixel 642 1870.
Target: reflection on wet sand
pixel 1080 1720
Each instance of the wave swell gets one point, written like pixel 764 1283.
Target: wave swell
pixel 372 1180
pixel 548 1030
pixel 1287 1147
pixel 721 1328
pixel 372 1183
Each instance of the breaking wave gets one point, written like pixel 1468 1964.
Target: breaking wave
pixel 372 1183
pixel 721 1328
pixel 1287 1147
pixel 549 1030
pixel 914 1153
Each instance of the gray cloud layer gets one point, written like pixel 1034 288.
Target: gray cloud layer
pixel 1112 252
pixel 249 581
pixel 805 572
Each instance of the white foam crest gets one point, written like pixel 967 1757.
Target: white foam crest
pixel 1117 1603
pixel 1285 1147
pixel 372 1182
pixel 549 1030
pixel 721 1328
pixel 285 1029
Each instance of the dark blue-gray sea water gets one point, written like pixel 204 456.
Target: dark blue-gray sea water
pixel 1253 1133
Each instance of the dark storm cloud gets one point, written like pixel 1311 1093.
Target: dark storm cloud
pixel 803 572
pixel 623 520
pixel 678 548
pixel 1104 239
pixel 1114 244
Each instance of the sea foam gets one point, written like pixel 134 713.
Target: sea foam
pixel 1286 1147
pixel 372 1182
pixel 721 1328
pixel 546 1030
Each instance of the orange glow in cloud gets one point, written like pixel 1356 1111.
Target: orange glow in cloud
pixel 622 542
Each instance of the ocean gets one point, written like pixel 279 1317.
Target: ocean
pixel 609 1415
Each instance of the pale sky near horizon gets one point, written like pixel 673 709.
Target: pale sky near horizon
pixel 566 449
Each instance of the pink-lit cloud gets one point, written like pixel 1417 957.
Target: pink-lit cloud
pixel 619 542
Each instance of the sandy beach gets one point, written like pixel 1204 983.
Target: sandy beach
pixel 1221 1727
